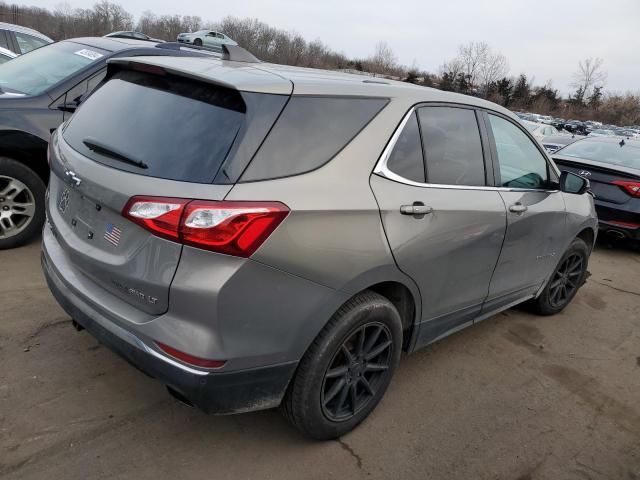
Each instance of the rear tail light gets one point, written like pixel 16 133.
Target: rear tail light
pixel 630 186
pixel 159 215
pixel 233 228
pixel 190 359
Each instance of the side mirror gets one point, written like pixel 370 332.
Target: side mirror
pixel 572 183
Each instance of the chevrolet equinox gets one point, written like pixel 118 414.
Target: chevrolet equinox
pixel 255 235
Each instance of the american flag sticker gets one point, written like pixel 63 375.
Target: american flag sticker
pixel 112 234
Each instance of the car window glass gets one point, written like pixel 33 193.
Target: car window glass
pixel 34 73
pixel 74 94
pixel 521 163
pixel 26 43
pixel 3 58
pixel 96 79
pixel 452 146
pixel 311 131
pixel 605 151
pixel 406 158
pixel 4 43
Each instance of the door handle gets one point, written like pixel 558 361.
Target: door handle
pixel 517 208
pixel 417 208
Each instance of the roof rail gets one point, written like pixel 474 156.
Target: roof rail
pixel 233 53
pixel 236 53
pixel 185 47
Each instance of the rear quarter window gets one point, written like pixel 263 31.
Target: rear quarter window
pixel 309 133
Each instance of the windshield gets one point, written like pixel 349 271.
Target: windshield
pixel 531 126
pixel 627 155
pixel 36 71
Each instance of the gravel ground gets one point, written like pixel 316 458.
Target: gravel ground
pixel 515 397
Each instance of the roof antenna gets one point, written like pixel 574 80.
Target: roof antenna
pixel 622 143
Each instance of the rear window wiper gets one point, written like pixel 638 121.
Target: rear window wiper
pixel 96 146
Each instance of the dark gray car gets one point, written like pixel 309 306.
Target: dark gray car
pixel 255 235
pixel 38 91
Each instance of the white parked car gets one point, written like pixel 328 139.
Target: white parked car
pixel 21 39
pixel 540 130
pixel 206 38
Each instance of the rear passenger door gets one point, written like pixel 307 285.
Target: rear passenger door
pixel 444 224
pixel 529 186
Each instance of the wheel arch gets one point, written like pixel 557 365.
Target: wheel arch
pixel 27 149
pixel 588 235
pixel 400 290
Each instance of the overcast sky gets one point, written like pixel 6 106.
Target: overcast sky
pixel 542 38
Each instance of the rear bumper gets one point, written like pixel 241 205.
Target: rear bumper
pixel 619 229
pixel 620 221
pixel 219 393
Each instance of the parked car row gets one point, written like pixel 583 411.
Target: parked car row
pixel 578 127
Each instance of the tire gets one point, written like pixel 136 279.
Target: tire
pixel 197 42
pixel 315 402
pixel 548 303
pixel 21 203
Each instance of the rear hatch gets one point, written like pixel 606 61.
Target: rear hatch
pixel 147 132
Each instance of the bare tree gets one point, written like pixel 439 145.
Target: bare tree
pixel 493 68
pixel 589 75
pixel 478 64
pixel 384 60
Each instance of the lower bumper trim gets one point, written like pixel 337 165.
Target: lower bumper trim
pixel 216 393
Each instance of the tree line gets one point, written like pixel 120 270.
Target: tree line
pixel 476 70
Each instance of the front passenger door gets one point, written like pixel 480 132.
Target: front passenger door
pixel 528 184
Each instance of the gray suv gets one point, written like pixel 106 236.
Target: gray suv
pixel 255 235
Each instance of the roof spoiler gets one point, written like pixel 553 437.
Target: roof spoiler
pixel 236 53
pixel 232 53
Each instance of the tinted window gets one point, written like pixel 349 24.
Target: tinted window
pixel 521 163
pixel 4 43
pixel 627 155
pixel 36 71
pixel 3 58
pixel 181 129
pixel 406 159
pixel 26 43
pixel 452 146
pixel 309 133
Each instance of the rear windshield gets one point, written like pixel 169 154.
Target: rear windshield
pixel 35 72
pixel 627 154
pixel 170 127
